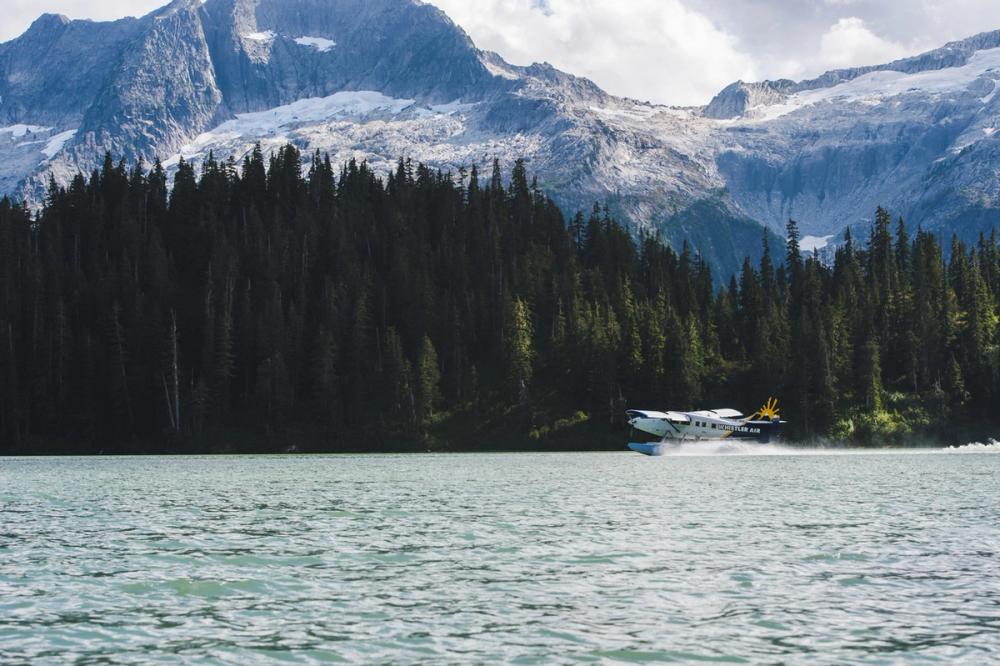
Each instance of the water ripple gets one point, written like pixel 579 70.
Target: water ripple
pixel 526 558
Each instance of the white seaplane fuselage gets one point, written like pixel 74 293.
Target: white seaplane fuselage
pixel 662 429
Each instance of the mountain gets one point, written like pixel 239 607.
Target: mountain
pixel 916 135
pixel 380 79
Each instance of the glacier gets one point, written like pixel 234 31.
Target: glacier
pixel 877 87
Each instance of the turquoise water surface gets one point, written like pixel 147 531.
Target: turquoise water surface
pixel 524 558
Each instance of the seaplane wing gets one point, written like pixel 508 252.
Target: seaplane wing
pixel 676 417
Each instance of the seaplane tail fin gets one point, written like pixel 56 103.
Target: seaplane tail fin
pixel 768 412
pixel 767 420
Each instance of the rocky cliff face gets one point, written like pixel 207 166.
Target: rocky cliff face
pixel 163 88
pixel 49 73
pixel 269 53
pixel 739 98
pixel 379 79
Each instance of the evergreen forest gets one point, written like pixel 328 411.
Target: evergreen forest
pixel 285 303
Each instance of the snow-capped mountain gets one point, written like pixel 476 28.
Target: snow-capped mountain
pixel 380 79
pixel 915 135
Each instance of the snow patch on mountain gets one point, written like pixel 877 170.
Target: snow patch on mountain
pixel 875 87
pixel 56 143
pixel 810 244
pixel 266 36
pixel 19 131
pixel 321 44
pixel 263 124
pixel 634 113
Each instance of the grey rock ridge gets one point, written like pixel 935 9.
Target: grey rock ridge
pixel 381 79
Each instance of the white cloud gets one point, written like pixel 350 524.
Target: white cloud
pixel 647 49
pixel 849 42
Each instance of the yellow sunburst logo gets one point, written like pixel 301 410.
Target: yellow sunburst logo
pixel 769 411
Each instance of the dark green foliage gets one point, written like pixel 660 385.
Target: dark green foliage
pixel 348 312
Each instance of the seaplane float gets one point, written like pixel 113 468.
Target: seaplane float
pixel 654 432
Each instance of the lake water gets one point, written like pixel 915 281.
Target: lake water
pixel 524 558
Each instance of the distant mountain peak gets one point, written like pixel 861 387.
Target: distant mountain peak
pixel 49 20
pixel 736 99
pixel 178 6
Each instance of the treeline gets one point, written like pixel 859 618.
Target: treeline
pixel 272 301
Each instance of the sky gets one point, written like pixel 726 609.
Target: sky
pixel 678 52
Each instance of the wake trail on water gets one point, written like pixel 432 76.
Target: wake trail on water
pixel 701 449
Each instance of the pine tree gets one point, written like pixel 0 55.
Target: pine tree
pixel 518 350
pixel 429 377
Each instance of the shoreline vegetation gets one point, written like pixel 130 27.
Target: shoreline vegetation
pixel 275 306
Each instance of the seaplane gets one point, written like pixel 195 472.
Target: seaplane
pixel 653 433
